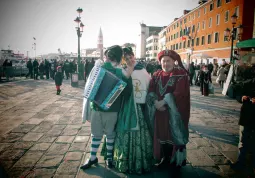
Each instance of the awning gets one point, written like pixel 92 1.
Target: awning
pixel 246 44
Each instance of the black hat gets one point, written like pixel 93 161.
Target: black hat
pixel 128 51
pixel 114 53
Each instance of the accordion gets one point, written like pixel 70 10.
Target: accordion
pixel 103 87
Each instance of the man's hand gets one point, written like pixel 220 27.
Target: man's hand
pixel 244 98
pixel 159 104
pixel 163 108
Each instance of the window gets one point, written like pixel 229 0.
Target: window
pixel 209 39
pixel 177 24
pixel 184 44
pixel 203 40
pixel 193 28
pixel 174 26
pixel 174 36
pixel 225 38
pixel 181 33
pixel 189 29
pixel 194 16
pixel 210 22
pixel 192 42
pixel 181 23
pixel 189 18
pixel 188 43
pixel 180 46
pixel 185 20
pixel 198 13
pixel 173 47
pixel 237 11
pixel 184 31
pixel 205 10
pixel 226 16
pixel 198 26
pixel 203 25
pixel 211 6
pixel 197 41
pixel 218 3
pixel 216 37
pixel 227 1
pixel 177 35
pixel 218 19
pixel 176 46
pixel 171 37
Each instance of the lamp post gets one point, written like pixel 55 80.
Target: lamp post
pixel 79 30
pixel 231 34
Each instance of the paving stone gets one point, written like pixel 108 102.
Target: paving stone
pixel 224 146
pixel 68 167
pixel 58 149
pixel 32 136
pixel 29 159
pixel 201 142
pixel 42 173
pixel 73 156
pixel 70 131
pixel 65 139
pixel 78 147
pixel 39 129
pixel 11 137
pixel 194 135
pixel 211 151
pixel 34 121
pixel 50 161
pixel 85 131
pixel 191 146
pixel 226 169
pixel 22 145
pixel 4 146
pixel 46 124
pixel 24 128
pixel 199 158
pixel 40 147
pixel 12 154
pixel 82 139
pixel 220 160
pixel 231 155
pixel 7 164
pixel 47 139
pixel 18 172
pixel 208 172
pixel 54 132
pixel 65 176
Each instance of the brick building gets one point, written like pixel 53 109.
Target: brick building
pixel 199 33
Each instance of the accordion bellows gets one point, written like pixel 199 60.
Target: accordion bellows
pixel 103 87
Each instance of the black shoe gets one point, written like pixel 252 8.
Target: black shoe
pixel 89 163
pixel 58 92
pixel 109 164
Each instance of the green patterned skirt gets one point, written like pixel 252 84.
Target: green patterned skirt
pixel 133 151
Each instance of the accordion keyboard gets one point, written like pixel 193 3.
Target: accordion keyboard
pixel 93 76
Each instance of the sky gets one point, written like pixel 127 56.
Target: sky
pixel 51 22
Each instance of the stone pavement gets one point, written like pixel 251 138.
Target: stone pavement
pixel 41 134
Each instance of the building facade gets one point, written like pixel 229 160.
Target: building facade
pixel 198 35
pixel 152 47
pixel 146 31
pixel 162 40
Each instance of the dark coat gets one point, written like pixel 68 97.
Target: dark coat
pixel 58 78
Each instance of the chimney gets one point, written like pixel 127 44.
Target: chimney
pixel 176 19
pixel 185 12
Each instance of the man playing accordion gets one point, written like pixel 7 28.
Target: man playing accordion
pixel 104 121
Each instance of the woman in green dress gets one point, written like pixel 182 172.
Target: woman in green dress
pixel 133 147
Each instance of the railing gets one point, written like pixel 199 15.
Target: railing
pixel 9 73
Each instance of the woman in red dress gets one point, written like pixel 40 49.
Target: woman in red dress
pixel 169 110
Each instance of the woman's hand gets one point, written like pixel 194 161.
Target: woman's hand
pixel 253 100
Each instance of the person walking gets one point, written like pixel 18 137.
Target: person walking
pixel 35 67
pixel 30 69
pixel 41 70
pixel 191 73
pixel 205 80
pixel 221 76
pixel 58 79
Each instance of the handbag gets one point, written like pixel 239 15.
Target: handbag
pixel 211 88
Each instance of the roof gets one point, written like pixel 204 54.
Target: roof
pixel 246 43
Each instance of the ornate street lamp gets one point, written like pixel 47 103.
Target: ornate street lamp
pixel 79 30
pixel 231 34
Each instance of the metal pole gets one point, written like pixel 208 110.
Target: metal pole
pixel 79 59
pixel 232 44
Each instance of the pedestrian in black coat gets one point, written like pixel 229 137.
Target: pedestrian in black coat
pixel 41 70
pixel 58 79
pixel 35 66
pixel 30 69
